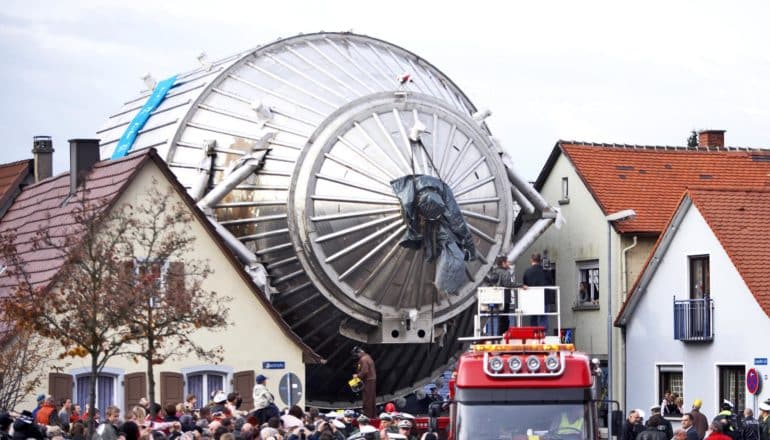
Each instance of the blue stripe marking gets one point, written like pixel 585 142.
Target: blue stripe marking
pixel 129 136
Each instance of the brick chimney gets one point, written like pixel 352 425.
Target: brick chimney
pixel 711 139
pixel 42 152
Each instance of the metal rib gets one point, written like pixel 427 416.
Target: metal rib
pixel 353 200
pixel 390 269
pixel 481 234
pixel 393 74
pixel 156 112
pixel 353 214
pixel 294 290
pixel 252 120
pixel 288 277
pixel 274 109
pixel 447 147
pixel 261 235
pixel 352 62
pixel 478 184
pixel 301 303
pixel 390 140
pixel 145 130
pixel 387 259
pixel 418 255
pixel 305 76
pixel 275 248
pixel 292 85
pixel 371 253
pixel 350 166
pixel 480 216
pixel 459 158
pixel 404 138
pixel 478 201
pixel 355 185
pixel 324 71
pixel 366 157
pixel 467 172
pixel 356 228
pixel 363 56
pixel 322 325
pixel 277 95
pixel 362 242
pixel 369 139
pixel 280 263
pixel 427 80
pixel 198 125
pixel 341 67
pixel 242 221
pixel 310 316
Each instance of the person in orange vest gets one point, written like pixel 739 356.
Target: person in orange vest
pixel 47 414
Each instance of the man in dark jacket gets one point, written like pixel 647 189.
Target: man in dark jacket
pixel 655 410
pixel 750 429
pixel 631 427
pixel 535 276
pixel 656 430
pixel 687 426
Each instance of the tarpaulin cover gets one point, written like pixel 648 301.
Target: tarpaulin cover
pixel 435 223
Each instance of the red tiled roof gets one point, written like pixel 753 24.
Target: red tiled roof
pixel 651 180
pixel 11 177
pixel 739 220
pixel 42 205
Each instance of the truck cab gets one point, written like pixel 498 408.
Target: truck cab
pixel 523 385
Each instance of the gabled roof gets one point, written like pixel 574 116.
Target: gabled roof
pixel 651 179
pixel 12 175
pixel 43 205
pixel 738 218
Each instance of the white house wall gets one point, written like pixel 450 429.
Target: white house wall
pixel 582 238
pixel 252 338
pixel 739 324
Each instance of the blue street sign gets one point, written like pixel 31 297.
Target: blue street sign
pixel 273 365
pixel 760 361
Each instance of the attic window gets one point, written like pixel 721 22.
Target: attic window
pixel 667 166
pixel 624 167
pixel 706 177
pixel 564 191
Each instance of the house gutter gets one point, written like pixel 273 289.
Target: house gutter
pixel 624 270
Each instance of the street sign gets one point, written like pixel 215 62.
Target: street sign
pixel 753 381
pixel 760 361
pixel 273 365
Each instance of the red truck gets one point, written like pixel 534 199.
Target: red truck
pixel 522 389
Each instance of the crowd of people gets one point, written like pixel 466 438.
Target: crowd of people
pixel 727 425
pixel 221 419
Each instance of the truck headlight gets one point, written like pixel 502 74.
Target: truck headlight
pixel 514 363
pixel 533 363
pixel 496 364
pixel 552 362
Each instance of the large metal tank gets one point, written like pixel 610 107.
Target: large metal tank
pixel 335 110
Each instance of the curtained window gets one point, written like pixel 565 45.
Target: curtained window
pixel 204 384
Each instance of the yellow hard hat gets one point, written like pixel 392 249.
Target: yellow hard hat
pixel 697 403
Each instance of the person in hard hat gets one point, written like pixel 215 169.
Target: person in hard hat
pixel 728 419
pixel 569 422
pixel 366 372
pixel 699 421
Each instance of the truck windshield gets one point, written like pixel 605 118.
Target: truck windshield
pixel 523 421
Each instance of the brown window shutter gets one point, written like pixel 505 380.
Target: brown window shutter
pixel 175 276
pixel 171 388
pixel 60 386
pixel 135 389
pixel 243 383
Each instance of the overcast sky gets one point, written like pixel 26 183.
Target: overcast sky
pixel 642 72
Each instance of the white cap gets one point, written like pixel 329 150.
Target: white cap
pixel 220 397
pixel 338 424
pixel 289 421
pixel 394 436
pixel 366 429
pixel 764 406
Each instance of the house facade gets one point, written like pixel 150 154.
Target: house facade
pixel 697 318
pixel 591 181
pixel 256 342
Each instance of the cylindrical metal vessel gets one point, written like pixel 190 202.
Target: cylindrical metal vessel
pixel 336 110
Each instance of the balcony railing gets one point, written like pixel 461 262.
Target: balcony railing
pixel 694 320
